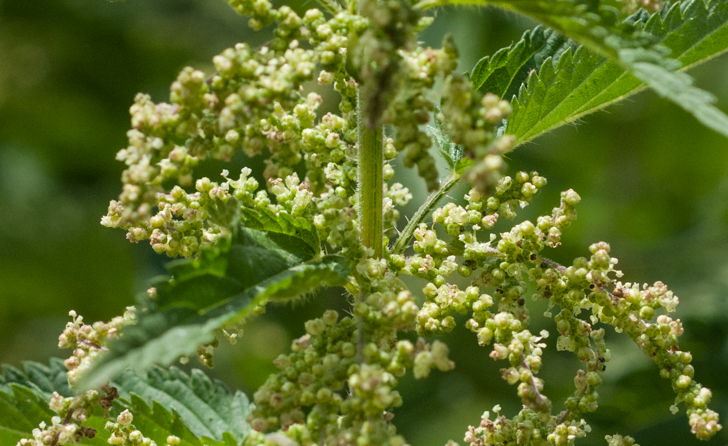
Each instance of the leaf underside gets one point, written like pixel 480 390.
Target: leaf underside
pixel 164 402
pixel 269 258
pixel 449 151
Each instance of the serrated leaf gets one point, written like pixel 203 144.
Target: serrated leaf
pixel 21 410
pixel 268 260
pixel 164 402
pixel 152 419
pixel 42 379
pixel 206 406
pixel 48 378
pixel 598 27
pixel 508 66
pixel 693 31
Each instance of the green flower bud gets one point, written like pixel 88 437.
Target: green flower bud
pixel 315 327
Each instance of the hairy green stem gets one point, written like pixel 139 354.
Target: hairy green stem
pixel 408 232
pixel 370 182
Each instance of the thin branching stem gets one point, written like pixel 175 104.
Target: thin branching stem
pixel 66 420
pixel 408 232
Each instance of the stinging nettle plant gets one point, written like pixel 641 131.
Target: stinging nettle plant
pixel 327 216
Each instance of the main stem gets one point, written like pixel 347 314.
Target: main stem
pixel 370 183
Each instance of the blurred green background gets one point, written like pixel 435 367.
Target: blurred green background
pixel 654 184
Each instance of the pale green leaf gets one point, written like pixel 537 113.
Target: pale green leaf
pixel 449 151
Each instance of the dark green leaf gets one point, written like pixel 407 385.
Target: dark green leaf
pixel 21 410
pixel 511 65
pixel 267 259
pixel 298 230
pixel 42 379
pixel 164 402
pixel 693 31
pixel 598 28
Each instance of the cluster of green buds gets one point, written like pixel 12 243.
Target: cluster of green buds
pixel 628 308
pixel 253 101
pixel 470 120
pixel 527 427
pixel 308 389
pixel 435 258
pixel 506 264
pixel 362 354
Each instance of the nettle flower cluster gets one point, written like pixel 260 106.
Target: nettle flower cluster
pixel 254 102
pixel 338 384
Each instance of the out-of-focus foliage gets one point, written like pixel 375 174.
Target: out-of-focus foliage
pixel 654 184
